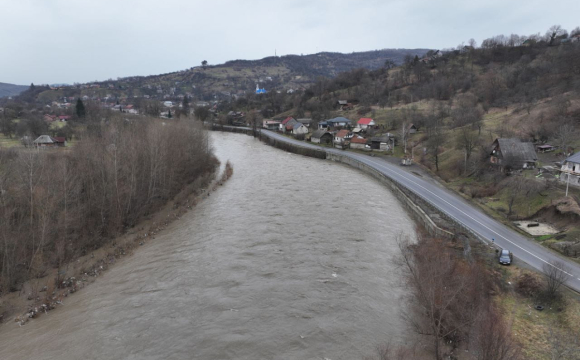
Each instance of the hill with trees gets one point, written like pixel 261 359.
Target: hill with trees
pixel 11 89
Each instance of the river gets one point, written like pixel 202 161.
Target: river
pixel 290 259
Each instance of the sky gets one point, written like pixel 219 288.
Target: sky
pixel 68 41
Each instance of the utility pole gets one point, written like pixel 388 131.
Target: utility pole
pixel 567 183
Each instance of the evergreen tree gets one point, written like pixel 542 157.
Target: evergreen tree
pixel 185 106
pixel 80 108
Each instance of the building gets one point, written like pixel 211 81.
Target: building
pixel 413 129
pixel 299 128
pixel 321 136
pixel 305 121
pixel 365 123
pixel 322 125
pixel 48 141
pixel 570 171
pixel 513 154
pixel 285 122
pixel 380 143
pixel 260 91
pixel 339 122
pixel 271 124
pixel 340 139
pixel 545 148
pixel 358 142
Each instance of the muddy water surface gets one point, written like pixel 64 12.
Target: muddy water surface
pixel 289 260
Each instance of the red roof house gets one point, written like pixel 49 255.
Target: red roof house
pixel 364 123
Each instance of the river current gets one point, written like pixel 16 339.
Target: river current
pixel 290 259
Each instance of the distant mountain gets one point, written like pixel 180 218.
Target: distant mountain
pixel 11 89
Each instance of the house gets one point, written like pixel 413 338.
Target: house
pixel 285 122
pixel 380 143
pixel 364 123
pixel 358 142
pixel 299 128
pixel 413 129
pixel 305 121
pixel 570 171
pixel 260 91
pixel 545 148
pixel 340 139
pixel 513 154
pixel 47 141
pixel 271 124
pixel 322 125
pixel 343 105
pixel 64 118
pixel 321 136
pixel 338 122
pixel 168 104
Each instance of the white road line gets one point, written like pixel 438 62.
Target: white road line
pixel 382 166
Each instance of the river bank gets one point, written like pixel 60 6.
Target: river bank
pixel 40 295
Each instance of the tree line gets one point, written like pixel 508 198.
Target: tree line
pixel 56 205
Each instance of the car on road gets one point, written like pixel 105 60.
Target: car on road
pixel 505 257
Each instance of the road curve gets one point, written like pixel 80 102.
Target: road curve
pixel 471 217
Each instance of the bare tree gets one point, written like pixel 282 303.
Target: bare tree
pixel 490 338
pixel 519 187
pixel 466 140
pixel 554 32
pixel 564 343
pixel 564 134
pixel 556 274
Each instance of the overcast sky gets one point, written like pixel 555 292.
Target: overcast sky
pixel 67 41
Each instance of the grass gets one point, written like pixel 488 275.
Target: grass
pixel 531 328
pixel 7 142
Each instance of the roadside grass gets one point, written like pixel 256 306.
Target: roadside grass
pixel 7 142
pixel 530 327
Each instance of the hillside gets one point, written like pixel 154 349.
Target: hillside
pixel 11 89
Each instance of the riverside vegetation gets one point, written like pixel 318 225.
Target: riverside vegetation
pixel 57 205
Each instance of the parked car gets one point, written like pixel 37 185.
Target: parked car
pixel 505 257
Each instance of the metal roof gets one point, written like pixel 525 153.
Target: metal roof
pixel 514 150
pixel 574 158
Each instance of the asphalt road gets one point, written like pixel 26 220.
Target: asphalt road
pixel 471 217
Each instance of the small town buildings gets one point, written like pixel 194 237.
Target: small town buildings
pixel 340 138
pixel 413 129
pixel 299 128
pixel 271 124
pixel 64 118
pixel 365 123
pixel 168 104
pixel 305 121
pixel 323 125
pixel 344 105
pixel 545 148
pixel 513 154
pixel 48 141
pixel 285 122
pixel 358 142
pixel 338 122
pixel 570 171
pixel 321 136
pixel 380 143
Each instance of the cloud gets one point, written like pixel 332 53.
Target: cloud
pixel 84 40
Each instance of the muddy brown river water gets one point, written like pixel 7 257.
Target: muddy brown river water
pixel 290 259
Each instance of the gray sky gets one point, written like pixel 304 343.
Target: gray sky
pixel 66 41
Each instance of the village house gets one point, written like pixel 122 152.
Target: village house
pixel 321 136
pixel 322 125
pixel 285 122
pixel 338 122
pixel 358 142
pixel 299 128
pixel 545 148
pixel 380 143
pixel 513 154
pixel 413 129
pixel 344 105
pixel 305 121
pixel 271 124
pixel 365 123
pixel 570 172
pixel 340 139
pixel 48 141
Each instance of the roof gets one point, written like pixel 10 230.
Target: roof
pixel 319 133
pixel 59 139
pixel 514 150
pixel 338 120
pixel 365 121
pixel 384 139
pixel 305 120
pixel 297 125
pixel 574 158
pixel 547 146
pixel 342 102
pixel 287 119
pixel 358 140
pixel 64 117
pixel 342 133
pixel 44 139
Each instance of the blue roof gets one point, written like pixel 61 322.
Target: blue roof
pixel 338 120
pixel 574 158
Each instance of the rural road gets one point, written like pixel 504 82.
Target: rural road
pixel 454 206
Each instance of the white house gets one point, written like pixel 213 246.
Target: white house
pixel 364 123
pixel 299 128
pixel 570 172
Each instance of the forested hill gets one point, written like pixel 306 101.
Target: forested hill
pixel 11 89
pixel 329 64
